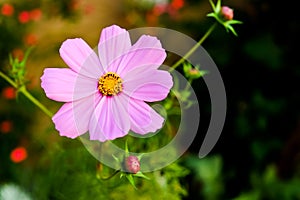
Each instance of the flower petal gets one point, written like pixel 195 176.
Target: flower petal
pixel 72 119
pixel 114 41
pixel 143 118
pixel 110 119
pixel 81 58
pixel 146 52
pixel 65 85
pixel 147 84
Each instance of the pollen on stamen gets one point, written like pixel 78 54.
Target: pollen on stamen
pixel 110 84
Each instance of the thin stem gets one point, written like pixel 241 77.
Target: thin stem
pixel 194 48
pixel 9 80
pixel 36 102
pixel 24 91
pixel 110 176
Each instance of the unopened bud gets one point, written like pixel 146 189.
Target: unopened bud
pixel 132 164
pixel 226 13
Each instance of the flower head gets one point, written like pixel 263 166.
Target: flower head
pixel 35 14
pixel 6 126
pixel 227 13
pixel 224 15
pixel 105 94
pixel 9 92
pixel 19 154
pixel 7 9
pixel 132 164
pixel 24 17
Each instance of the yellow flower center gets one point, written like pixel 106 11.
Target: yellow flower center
pixel 110 84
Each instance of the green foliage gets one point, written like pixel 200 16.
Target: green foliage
pixel 18 68
pixel 208 171
pixel 269 186
pixel 263 49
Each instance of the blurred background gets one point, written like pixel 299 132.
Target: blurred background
pixel 258 153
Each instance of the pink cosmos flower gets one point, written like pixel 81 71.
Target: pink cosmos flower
pixel 105 94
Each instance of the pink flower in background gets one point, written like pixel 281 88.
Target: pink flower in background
pixel 7 9
pixel 35 14
pixel 30 39
pixel 177 4
pixel 6 126
pixel 18 54
pixel 9 92
pixel 24 17
pixel 105 94
pixel 19 154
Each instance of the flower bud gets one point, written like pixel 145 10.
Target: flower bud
pixel 226 13
pixel 132 164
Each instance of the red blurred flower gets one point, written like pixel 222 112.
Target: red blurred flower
pixel 35 14
pixel 74 5
pixel 151 19
pixel 30 39
pixel 7 9
pixel 9 92
pixel 159 9
pixel 88 9
pixel 177 4
pixel 18 53
pixel 19 154
pixel 6 126
pixel 24 17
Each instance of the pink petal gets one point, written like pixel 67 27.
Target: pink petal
pixel 110 119
pixel 147 84
pixel 143 118
pixel 72 119
pixel 65 85
pixel 146 52
pixel 114 41
pixel 81 58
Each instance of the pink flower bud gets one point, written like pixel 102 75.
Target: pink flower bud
pixel 132 164
pixel 227 13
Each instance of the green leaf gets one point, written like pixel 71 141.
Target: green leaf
pixel 131 180
pixel 141 175
pixel 218 6
pixel 212 5
pixel 231 29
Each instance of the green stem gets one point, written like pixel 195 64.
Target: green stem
pixel 194 48
pixel 36 102
pixel 24 91
pixel 8 80
pixel 110 176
